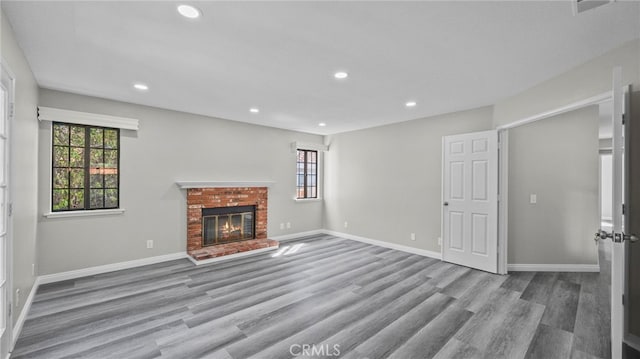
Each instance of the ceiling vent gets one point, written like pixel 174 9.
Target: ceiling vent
pixel 584 5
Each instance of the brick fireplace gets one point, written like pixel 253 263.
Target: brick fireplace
pixel 226 203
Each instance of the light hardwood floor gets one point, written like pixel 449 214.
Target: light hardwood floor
pixel 345 298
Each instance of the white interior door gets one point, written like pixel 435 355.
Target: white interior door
pixel 6 99
pixel 618 245
pixel 470 200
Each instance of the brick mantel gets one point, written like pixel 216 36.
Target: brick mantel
pixel 211 197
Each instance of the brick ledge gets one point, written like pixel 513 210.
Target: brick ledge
pixel 232 248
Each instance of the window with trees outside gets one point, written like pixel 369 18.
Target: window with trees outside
pixel 307 174
pixel 85 167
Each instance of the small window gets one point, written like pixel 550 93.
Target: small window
pixel 85 167
pixel 307 174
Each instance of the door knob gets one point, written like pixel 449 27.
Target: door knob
pixel 445 204
pixel 616 237
pixel 602 235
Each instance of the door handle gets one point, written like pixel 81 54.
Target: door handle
pixel 630 237
pixel 616 237
pixel 445 204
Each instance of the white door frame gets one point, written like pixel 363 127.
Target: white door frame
pixel 503 199
pixel 617 249
pixel 630 339
pixel 503 183
pixel 7 340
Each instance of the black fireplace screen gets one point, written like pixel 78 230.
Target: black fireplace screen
pixel 227 224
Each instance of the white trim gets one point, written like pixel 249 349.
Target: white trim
pixel 584 5
pixel 594 100
pixel 503 201
pixel 618 255
pixel 85 118
pixel 302 200
pixel 295 146
pixel 553 268
pixel 96 212
pixel 7 261
pixel 231 256
pixel 442 168
pixel 399 247
pixel 17 328
pixel 222 184
pixel 288 237
pixel 78 273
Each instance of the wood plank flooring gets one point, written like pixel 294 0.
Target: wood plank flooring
pixel 334 297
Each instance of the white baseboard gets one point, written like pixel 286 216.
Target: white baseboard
pixel 78 273
pixel 17 328
pixel 231 256
pixel 553 268
pixel 400 247
pixel 288 237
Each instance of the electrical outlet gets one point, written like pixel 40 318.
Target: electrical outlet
pixel 440 241
pixel 17 296
pixel 413 236
pixel 33 269
pixel 533 198
pixel 288 225
pixel 346 224
pixel 281 225
pixel 149 243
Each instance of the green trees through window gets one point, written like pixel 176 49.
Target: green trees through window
pixel 85 167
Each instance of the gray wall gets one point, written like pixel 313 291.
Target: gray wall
pixel 169 146
pixel 589 79
pixel 386 181
pixel 556 159
pixel 24 169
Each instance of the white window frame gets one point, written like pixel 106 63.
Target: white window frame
pixel 50 115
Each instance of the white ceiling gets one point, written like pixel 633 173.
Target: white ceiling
pixel 281 56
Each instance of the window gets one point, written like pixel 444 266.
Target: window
pixel 85 167
pixel 307 174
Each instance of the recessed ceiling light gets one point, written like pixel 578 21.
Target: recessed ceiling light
pixel 410 104
pixel 254 110
pixel 189 11
pixel 140 86
pixel 341 75
pixel 322 124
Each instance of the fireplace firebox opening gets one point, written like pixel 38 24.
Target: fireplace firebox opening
pixel 228 224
